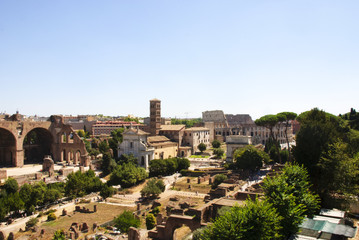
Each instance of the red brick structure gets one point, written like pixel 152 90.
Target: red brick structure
pixel 27 142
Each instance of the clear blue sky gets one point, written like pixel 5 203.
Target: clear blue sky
pixel 112 57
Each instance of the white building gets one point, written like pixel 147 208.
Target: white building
pixel 135 142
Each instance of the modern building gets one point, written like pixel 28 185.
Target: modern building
pixel 106 127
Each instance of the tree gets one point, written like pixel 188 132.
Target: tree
pixel 290 194
pixel 11 186
pixel 202 147
pixel 127 158
pixel 150 221
pixel 153 188
pixel 78 184
pixel 317 132
pixel 219 152
pixel 255 220
pixel 81 133
pixel 269 122
pixel 126 220
pixel 127 175
pixel 218 179
pixel 216 144
pixel 104 147
pixel 250 158
pixel 182 163
pixel 286 117
pixel 107 191
pixel 108 163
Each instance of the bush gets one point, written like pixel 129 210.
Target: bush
pixel 125 221
pixel 107 191
pixel 164 167
pixel 250 158
pixel 218 179
pixel 202 147
pixel 51 217
pixel 216 144
pixel 153 188
pixel 219 152
pixel 31 223
pixel 192 173
pixel 150 221
pixel 156 211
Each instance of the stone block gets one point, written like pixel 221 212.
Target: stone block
pixel 3 174
pixel 66 171
pixel 82 169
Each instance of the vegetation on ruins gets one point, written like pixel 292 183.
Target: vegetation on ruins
pixel 150 221
pixel 287 200
pixel 59 235
pixel 218 179
pixel 165 167
pixel 188 122
pixel 250 158
pixel 153 188
pixel 126 220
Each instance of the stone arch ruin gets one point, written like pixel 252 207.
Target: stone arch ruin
pixel 24 141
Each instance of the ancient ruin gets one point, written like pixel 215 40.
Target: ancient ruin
pixel 28 142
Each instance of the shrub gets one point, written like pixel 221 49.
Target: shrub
pixel 153 188
pixel 216 144
pixel 150 221
pixel 51 217
pixel 31 223
pixel 125 221
pixel 218 179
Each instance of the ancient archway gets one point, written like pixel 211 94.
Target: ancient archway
pixel 37 143
pixel 7 148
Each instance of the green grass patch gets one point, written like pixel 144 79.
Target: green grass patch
pixel 199 156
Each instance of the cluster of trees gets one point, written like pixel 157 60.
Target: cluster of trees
pixel 164 167
pixel 127 175
pixel 188 122
pixel 28 197
pixel 250 158
pixel 14 199
pixel 126 220
pixel 286 202
pixel 273 123
pixel 328 147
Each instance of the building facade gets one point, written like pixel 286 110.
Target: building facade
pixel 155 117
pixel 106 127
pixel 194 136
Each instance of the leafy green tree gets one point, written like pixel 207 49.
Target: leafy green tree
pixel 126 220
pixel 104 147
pixel 286 117
pixel 182 163
pixel 127 158
pixel 202 147
pixel 81 133
pixel 108 163
pixel 219 152
pixel 4 208
pixel 153 188
pixel 11 185
pixel 269 122
pixel 79 184
pixel 59 235
pixel 115 140
pixel 250 158
pixel 127 175
pixel 218 179
pixel 253 221
pixel 107 191
pixel 290 194
pixel 150 221
pixel 342 170
pixel 216 144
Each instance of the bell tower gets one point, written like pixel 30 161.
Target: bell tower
pixel 155 116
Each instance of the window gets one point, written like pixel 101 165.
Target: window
pixel 131 144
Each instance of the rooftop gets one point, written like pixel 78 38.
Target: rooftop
pixel 172 127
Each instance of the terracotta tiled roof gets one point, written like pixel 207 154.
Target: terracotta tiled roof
pixel 154 139
pixel 197 129
pixel 137 131
pixel 172 127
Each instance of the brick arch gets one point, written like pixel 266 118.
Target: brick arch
pixel 7 148
pixel 37 143
pixel 177 221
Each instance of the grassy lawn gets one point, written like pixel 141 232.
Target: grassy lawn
pixel 104 214
pixel 201 188
pixel 199 156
